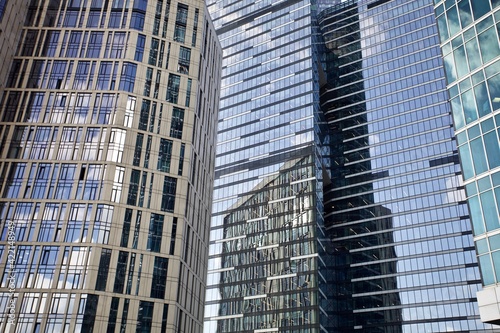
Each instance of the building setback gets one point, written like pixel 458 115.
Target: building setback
pixel 469 32
pixel 339 204
pixel 108 120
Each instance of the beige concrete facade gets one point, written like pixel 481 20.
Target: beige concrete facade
pixel 107 131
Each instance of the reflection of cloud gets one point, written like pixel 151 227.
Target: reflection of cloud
pixel 453 196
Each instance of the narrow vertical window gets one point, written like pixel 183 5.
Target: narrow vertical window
pixel 102 273
pixel 155 232
pixel 164 155
pixel 121 268
pixel 145 317
pixel 158 285
pixel 168 198
pixel 173 88
pixel 177 123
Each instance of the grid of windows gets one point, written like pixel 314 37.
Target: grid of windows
pixel 80 139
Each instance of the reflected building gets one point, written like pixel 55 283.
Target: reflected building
pixel 402 252
pixel 391 236
pixel 469 32
pixel 266 224
pixel 108 115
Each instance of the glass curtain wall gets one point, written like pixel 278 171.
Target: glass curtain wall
pixel 401 254
pixel 469 32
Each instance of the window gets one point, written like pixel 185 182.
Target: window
pixel 173 88
pixel 139 50
pixel 113 313
pixel 133 187
pixel 155 232
pixel 74 44
pixel 177 123
pixel 121 268
pixel 127 79
pixel 126 227
pixel 172 236
pixel 104 75
pixel 57 75
pixel 144 317
pixel 144 116
pixel 195 27
pixel 188 92
pixel 94 45
pixel 90 313
pixel 148 82
pixel 102 273
pixel 168 198
pixel 164 155
pixel 179 33
pixel 102 224
pixel 153 52
pixel 137 21
pixel 159 278
pixel 138 149
pixel 117 46
pixel 184 59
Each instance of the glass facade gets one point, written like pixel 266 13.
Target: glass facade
pixel 469 32
pixel 107 149
pixel 355 220
pixel 263 257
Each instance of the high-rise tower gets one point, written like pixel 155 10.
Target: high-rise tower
pixel 341 104
pixel 469 32
pixel 263 266
pixel 107 129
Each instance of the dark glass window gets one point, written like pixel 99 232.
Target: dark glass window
pixel 188 92
pixel 184 60
pixel 181 159
pixel 177 123
pixel 139 49
pixel 153 52
pixel 102 273
pixel 123 325
pixel 159 278
pixel 113 313
pixel 127 79
pixel 148 82
pixel 164 155
pixel 147 154
pixel 182 13
pixel 138 149
pixel 90 313
pixel 144 317
pixel 168 199
pixel 121 268
pixel 195 27
pixel 133 187
pixel 155 232
pixel 172 236
pixel 126 227
pixel 164 319
pixel 137 21
pixel 173 88
pixel 144 116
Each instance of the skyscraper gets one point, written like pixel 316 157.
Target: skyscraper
pixel 354 220
pixel 268 192
pixel 107 125
pixel 469 32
